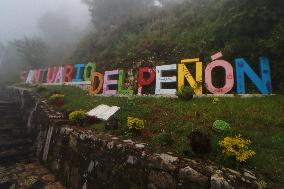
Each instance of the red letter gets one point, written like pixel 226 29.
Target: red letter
pixel 142 81
pixel 69 72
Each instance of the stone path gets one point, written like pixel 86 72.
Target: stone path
pixel 27 175
pixel 18 167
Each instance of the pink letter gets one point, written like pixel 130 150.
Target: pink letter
pixel 229 81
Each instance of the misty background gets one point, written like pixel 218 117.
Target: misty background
pixel 20 18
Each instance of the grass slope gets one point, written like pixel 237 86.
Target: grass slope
pixel 260 119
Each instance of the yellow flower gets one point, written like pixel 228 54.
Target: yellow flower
pixel 135 123
pixel 237 147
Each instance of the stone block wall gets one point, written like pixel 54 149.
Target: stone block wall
pixel 88 160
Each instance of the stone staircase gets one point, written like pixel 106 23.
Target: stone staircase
pixel 15 145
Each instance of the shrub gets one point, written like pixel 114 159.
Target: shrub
pixel 199 142
pixel 186 93
pixel 237 147
pixel 135 123
pixel 57 99
pixel 77 117
pixel 222 127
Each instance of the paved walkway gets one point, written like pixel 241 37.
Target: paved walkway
pixel 27 175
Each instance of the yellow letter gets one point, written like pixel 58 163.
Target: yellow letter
pixel 184 73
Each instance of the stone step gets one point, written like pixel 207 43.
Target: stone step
pixel 10 116
pixel 14 155
pixel 12 126
pixel 11 122
pixel 9 136
pixel 15 142
pixel 12 132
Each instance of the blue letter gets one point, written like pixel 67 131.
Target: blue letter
pixel 263 84
pixel 79 72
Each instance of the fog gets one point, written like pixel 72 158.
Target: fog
pixel 19 18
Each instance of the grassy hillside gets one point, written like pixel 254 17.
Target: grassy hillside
pixel 169 122
pixel 194 28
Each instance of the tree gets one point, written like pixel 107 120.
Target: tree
pixel 33 51
pixel 110 14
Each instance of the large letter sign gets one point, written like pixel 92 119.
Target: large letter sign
pixel 141 78
pixel 108 82
pixel 96 89
pixel 69 72
pixel 51 74
pixel 121 80
pixel 59 78
pixel 30 77
pixel 184 73
pixel 169 78
pixel 229 75
pixel 78 76
pixel 89 69
pixel 263 84
pixel 160 79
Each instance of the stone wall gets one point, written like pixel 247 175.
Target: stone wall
pixel 84 159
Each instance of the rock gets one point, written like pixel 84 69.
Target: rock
pixel 131 160
pixel 219 182
pixel 190 175
pixel 110 145
pixel 249 175
pixel 162 180
pixel 139 146
pixel 163 162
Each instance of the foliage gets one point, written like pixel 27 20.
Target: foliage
pixel 237 147
pixel 55 97
pixel 33 51
pixel 222 126
pixel 186 93
pixel 135 123
pixel 193 28
pixel 215 101
pixel 199 142
pixel 77 117
pixel 164 139
pixel 40 88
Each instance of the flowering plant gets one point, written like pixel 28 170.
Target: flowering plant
pixel 237 147
pixel 57 99
pixel 77 117
pixel 135 123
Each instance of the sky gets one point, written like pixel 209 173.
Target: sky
pixel 18 18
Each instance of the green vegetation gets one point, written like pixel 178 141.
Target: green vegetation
pixel 188 29
pixel 169 122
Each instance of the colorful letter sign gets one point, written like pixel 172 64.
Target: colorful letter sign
pixel 89 69
pixel 160 79
pixel 142 81
pixel 121 80
pixel 184 73
pixel 229 75
pixel 108 82
pixel 263 83
pixel 96 89
pixel 168 78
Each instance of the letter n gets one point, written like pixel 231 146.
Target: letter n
pixel 263 83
